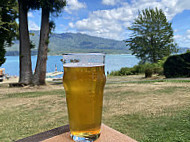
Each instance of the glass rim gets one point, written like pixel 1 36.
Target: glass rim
pixel 98 54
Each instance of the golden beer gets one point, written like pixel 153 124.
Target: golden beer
pixel 84 87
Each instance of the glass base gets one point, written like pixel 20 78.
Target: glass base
pixel 90 138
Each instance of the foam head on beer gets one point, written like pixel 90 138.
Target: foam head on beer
pixel 82 64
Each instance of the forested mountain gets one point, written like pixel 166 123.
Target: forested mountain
pixel 75 42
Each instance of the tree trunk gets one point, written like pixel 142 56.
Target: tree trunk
pixel 25 75
pixel 2 51
pixel 40 71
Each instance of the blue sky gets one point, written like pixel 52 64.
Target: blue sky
pixel 110 18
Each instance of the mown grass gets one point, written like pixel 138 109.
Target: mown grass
pixel 30 113
pixel 33 94
pixel 154 112
pixel 173 126
pixel 150 81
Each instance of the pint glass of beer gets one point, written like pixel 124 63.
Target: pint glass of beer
pixel 84 80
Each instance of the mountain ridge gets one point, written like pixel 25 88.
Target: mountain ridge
pixel 76 42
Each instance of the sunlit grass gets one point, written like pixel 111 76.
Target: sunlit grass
pixel 154 112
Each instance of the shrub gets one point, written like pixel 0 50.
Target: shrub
pixel 125 71
pixel 159 71
pixel 177 66
pixel 148 73
pixel 115 73
pixel 156 68
pixel 138 69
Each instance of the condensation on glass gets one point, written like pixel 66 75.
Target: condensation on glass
pixel 84 80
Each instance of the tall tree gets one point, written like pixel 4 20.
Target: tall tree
pixel 152 36
pixel 25 75
pixel 48 6
pixel 8 25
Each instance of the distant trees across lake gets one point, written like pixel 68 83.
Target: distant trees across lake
pixel 16 53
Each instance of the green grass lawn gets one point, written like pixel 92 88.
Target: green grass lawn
pixel 163 128
pixel 147 112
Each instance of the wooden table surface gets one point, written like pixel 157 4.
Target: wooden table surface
pixel 61 134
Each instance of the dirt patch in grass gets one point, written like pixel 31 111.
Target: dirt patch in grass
pixel 143 87
pixel 139 77
pixel 49 87
pixel 30 102
pixel 151 98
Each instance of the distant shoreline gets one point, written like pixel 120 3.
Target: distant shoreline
pixel 113 62
pixel 73 52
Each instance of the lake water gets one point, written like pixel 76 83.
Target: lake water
pixel 112 63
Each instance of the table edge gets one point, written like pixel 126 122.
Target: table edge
pixel 45 135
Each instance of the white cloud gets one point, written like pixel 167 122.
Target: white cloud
pixel 188 38
pixel 73 5
pixel 111 2
pixel 188 31
pixel 71 25
pixel 188 35
pixel 33 26
pixel 106 23
pixel 113 23
pixel 30 14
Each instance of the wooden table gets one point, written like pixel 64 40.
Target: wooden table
pixel 61 134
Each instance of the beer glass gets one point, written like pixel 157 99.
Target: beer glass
pixel 84 80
